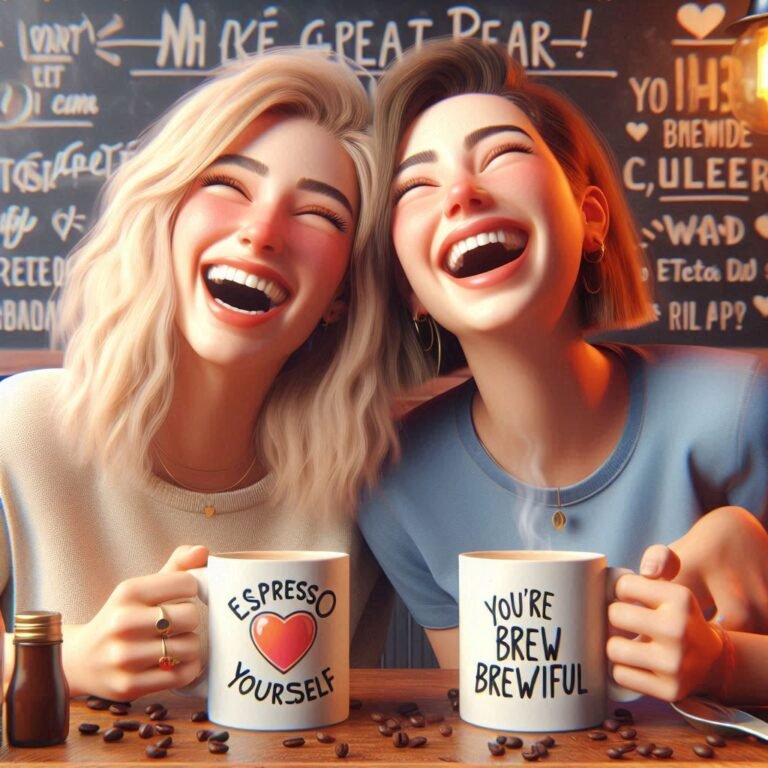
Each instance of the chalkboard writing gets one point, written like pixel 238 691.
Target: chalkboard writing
pixel 80 79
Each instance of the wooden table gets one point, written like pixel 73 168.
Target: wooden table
pixel 380 691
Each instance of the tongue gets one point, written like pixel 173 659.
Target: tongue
pixel 239 296
pixel 484 258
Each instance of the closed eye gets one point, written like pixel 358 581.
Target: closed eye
pixel 505 149
pixel 407 186
pixel 223 180
pixel 318 210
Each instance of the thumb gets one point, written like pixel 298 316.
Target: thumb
pixel 659 562
pixel 186 557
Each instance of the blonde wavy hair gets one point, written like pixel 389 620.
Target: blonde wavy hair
pixel 441 69
pixel 325 426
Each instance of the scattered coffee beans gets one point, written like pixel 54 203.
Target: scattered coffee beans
pixel 203 734
pixel 597 735
pixel 715 740
pixel 629 747
pixel 622 714
pixel 514 742
pixel 393 724
pixel 341 749
pixel 159 714
pixel 150 708
pixel 113 734
pixel 496 749
pixel 501 739
pixel 127 725
pixel 419 741
pixel 408 708
pixel 118 709
pixel 378 717
pixel 540 748
pixel 663 753
pixel 611 725
pixel 628 733
pixel 548 741
pixel 325 738
pixel 165 742
pixel 703 750
pixel 221 736
pixel 455 705
pixel 199 717
pixel 615 754
pixel 155 752
pixel 445 730
pixel 384 729
pixel 164 729
pixel 88 729
pixel 94 702
pixel 453 693
pixel 293 742
pixel 218 747
pixel 147 731
pixel 531 756
pixel 646 750
pixel 418 721
pixel 400 739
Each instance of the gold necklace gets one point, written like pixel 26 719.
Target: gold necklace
pixel 210 508
pixel 558 518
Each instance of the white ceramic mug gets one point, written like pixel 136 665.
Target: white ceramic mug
pixel 532 634
pixel 278 638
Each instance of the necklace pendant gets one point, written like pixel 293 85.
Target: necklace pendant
pixel 210 510
pixel 559 520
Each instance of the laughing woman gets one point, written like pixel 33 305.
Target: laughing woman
pixel 506 217
pixel 222 376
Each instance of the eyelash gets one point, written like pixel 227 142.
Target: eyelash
pixel 334 218
pixel 211 180
pixel 503 149
pixel 407 186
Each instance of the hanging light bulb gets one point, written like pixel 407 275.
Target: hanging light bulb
pixel 749 71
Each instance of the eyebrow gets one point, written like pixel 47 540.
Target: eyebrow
pixel 313 185
pixel 429 156
pixel 471 139
pixel 248 163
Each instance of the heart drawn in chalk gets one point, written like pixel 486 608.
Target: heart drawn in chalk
pixel 283 642
pixel 761 304
pixel 637 130
pixel 700 21
pixel 761 225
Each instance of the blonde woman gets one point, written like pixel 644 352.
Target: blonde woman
pixel 500 212
pixel 223 381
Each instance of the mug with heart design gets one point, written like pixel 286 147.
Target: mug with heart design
pixel 278 637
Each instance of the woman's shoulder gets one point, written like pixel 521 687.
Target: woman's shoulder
pixel 27 397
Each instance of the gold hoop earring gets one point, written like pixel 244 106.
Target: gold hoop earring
pixel 434 342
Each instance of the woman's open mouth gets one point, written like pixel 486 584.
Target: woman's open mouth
pixel 242 291
pixel 485 251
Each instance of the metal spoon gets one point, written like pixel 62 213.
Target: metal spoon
pixel 707 715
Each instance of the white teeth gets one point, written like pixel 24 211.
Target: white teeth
pixel 218 273
pixel 510 239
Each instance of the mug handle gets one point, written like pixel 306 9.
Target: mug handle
pixel 617 692
pixel 199 686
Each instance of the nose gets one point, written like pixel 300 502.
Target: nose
pixel 465 195
pixel 261 235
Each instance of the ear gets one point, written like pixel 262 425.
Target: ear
pixel 335 312
pixel 594 211
pixel 418 310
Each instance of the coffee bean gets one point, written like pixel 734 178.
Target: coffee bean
pixel 127 725
pixel 400 739
pixel 501 739
pixel 384 729
pixel 199 717
pixel 445 730
pixel 455 705
pixel 88 729
pixel 146 731
pixel 164 728
pixel 496 749
pixel 453 693
pixel 224 736
pixel 598 735
pixel 218 747
pixel 113 734
pixel 165 742
pixel 703 750
pixel 611 725
pixel 431 719
pixel 548 741
pixel 418 721
pixel 203 734
pixel 715 740
pixel 293 742
pixel 540 747
pixel 94 702
pixel 118 709
pixel 393 724
pixel 408 708
pixel 325 738
pixel 531 756
pixel 155 752
pixel 628 733
pixel 378 717
pixel 615 754
pixel 646 750
pixel 514 742
pixel 418 741
pixel 628 747
pixel 663 753
pixel 622 714
pixel 355 704
pixel 150 708
pixel 341 749
pixel 159 714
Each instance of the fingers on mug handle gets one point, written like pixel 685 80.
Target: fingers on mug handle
pixel 613 575
pixel 201 577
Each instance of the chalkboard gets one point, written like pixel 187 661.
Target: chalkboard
pixel 80 79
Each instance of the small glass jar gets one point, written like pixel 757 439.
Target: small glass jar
pixel 37 702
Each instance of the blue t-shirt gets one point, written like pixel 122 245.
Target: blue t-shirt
pixel 695 438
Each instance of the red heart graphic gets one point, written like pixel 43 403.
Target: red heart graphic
pixel 283 642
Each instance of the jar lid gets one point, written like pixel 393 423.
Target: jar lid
pixel 38 627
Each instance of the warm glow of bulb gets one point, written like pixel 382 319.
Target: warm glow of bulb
pixel 749 77
pixel 762 64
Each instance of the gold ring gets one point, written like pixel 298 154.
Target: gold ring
pixel 166 662
pixel 163 623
